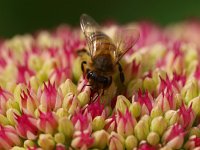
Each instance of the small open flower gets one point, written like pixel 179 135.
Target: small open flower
pixel 9 137
pixel 174 137
pixel 82 121
pixel 26 126
pixel 51 99
pixel 145 101
pixel 82 139
pixel 111 124
pixel 187 116
pixel 96 108
pixel 47 122
pixel 125 124
pixel 192 143
pixel 146 146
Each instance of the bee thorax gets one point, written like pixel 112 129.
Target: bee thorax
pixel 103 63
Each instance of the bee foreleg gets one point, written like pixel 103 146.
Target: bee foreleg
pixel 121 74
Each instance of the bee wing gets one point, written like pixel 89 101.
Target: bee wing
pixel 89 27
pixel 125 39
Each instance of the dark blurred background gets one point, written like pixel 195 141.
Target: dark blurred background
pixel 23 16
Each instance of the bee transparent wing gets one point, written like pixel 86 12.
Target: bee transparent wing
pixel 89 27
pixel 125 39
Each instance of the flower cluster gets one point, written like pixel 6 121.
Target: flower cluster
pixel 45 102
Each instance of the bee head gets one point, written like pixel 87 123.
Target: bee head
pixel 98 81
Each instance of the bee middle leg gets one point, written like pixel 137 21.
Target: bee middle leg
pixel 121 73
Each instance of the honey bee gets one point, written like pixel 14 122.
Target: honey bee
pixel 105 53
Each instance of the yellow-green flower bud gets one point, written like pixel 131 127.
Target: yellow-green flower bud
pixel 35 62
pixel 18 148
pixel 135 109
pixel 66 127
pixel 147 119
pixel 190 90
pixel 10 113
pixel 61 112
pixel 34 83
pixel 158 125
pixel 172 117
pixel 153 138
pixel 178 98
pixel 166 148
pixel 195 105
pixel 41 76
pixel 131 142
pixel 83 98
pixel 191 54
pixel 194 131
pixel 48 65
pixel 122 104
pixel 3 120
pixel 59 138
pixel 116 141
pixel 156 112
pixel 17 92
pixel 68 87
pixel 100 139
pixel 12 104
pixel 71 103
pixel 98 123
pixel 157 74
pixel 141 130
pixel 29 143
pixel 149 84
pixel 133 86
pixel 46 142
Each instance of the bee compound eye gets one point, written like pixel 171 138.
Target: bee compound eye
pixel 92 75
pixel 89 74
pixel 110 80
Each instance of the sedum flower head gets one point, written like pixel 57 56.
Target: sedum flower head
pixel 47 102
